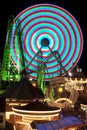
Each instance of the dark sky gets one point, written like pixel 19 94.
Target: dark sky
pixel 78 8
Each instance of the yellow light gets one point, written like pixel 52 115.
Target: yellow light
pixel 60 90
pixel 34 84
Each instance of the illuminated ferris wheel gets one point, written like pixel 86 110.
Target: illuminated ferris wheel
pixel 51 41
pixel 49 30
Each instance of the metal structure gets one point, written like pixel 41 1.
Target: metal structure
pixel 9 72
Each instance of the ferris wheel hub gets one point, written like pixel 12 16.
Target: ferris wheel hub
pixel 45 42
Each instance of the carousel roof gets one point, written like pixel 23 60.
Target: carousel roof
pixel 36 106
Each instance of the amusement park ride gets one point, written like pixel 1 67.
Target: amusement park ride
pixel 46 41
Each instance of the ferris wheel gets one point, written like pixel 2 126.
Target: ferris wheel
pixel 51 41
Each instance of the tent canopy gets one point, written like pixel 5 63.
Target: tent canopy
pixel 24 90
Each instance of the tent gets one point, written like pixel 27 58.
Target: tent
pixel 24 90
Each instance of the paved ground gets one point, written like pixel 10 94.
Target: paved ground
pixel 9 126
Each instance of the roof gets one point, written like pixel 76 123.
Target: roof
pixel 65 122
pixel 37 106
pixel 23 91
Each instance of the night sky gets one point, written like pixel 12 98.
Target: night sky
pixel 77 8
